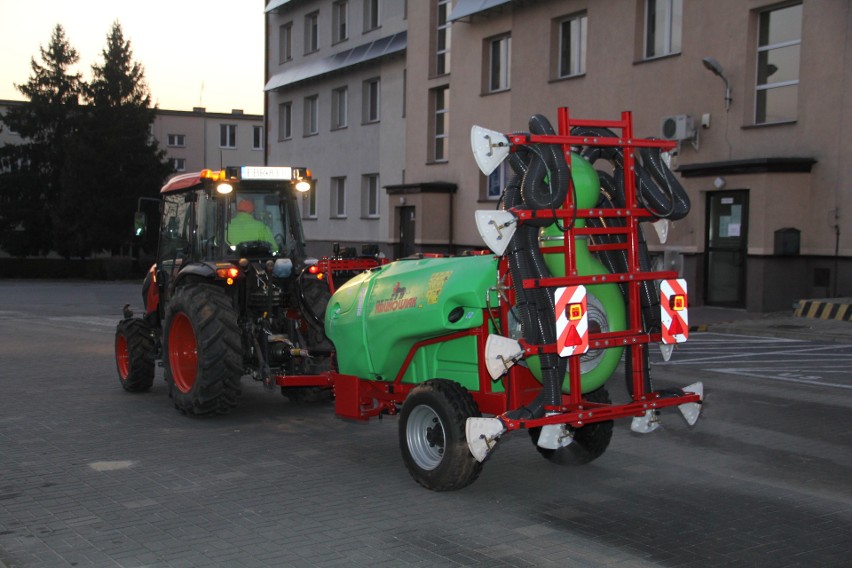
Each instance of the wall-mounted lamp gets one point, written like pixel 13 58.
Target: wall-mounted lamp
pixel 719 182
pixel 714 66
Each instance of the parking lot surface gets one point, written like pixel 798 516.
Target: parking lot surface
pixel 93 476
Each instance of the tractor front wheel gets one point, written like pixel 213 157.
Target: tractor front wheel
pixel 203 361
pixel 590 441
pixel 134 355
pixel 432 435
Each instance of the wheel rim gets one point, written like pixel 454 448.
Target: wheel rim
pixel 122 356
pixel 425 435
pixel 183 353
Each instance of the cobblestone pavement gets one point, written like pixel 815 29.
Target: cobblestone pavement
pixel 93 476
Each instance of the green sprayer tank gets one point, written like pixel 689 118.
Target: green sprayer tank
pixel 377 317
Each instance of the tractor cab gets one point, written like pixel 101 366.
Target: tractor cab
pixel 233 213
pixel 212 221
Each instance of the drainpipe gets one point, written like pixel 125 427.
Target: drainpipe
pixel 452 244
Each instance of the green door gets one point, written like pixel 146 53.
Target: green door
pixel 727 248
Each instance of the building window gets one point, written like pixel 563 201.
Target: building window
pixel 309 204
pixel 496 181
pixel 257 138
pixel 227 135
pixel 442 38
pixel 572 46
pixel 372 17
pixel 499 63
pixel 663 27
pixel 285 121
pixel 372 93
pixel 339 107
pixel 312 32
pixel 339 21
pixel 440 103
pixel 370 196
pixel 177 140
pixel 338 198
pixel 285 42
pixel 178 164
pixel 311 115
pixel 779 44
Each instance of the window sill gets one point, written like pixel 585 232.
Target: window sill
pixel 769 124
pixel 488 93
pixel 437 162
pixel 338 218
pixel 567 77
pixel 370 218
pixel 310 134
pixel 656 58
pixel 335 128
pixel 366 122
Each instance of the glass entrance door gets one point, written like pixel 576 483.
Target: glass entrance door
pixel 727 248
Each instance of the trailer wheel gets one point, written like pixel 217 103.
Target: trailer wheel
pixel 134 355
pixel 203 361
pixel 590 441
pixel 432 435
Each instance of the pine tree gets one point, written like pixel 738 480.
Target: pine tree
pixel 31 181
pixel 115 158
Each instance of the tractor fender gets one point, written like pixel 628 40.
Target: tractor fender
pixel 195 271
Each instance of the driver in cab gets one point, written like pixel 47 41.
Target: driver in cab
pixel 245 228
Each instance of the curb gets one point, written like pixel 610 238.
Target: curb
pixel 824 309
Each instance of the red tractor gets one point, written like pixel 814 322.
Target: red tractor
pixel 232 292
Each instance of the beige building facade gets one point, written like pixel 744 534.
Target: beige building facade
pixel 755 92
pixel 193 140
pixel 335 103
pixel 197 139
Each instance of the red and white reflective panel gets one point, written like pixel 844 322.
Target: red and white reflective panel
pixel 674 312
pixel 572 321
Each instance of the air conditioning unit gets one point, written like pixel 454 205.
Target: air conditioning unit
pixel 678 127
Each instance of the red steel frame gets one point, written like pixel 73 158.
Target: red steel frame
pixel 362 398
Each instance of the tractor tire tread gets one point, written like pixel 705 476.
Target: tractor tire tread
pixel 219 350
pixel 140 352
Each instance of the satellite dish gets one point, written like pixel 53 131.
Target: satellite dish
pixel 496 228
pixel 489 147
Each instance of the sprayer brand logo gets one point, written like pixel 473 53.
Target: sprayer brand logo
pixel 436 285
pixel 397 301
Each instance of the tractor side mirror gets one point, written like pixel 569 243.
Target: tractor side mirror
pixel 140 224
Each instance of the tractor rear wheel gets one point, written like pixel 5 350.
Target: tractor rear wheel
pixel 432 435
pixel 134 355
pixel 590 441
pixel 203 360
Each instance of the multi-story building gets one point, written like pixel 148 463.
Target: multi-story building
pixel 335 102
pixel 193 140
pixel 197 139
pixel 754 91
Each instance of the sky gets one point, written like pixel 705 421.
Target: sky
pixel 206 53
